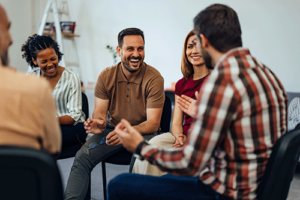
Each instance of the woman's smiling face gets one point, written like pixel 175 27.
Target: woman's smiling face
pixel 192 53
pixel 47 60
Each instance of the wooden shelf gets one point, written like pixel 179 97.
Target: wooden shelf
pixel 87 88
pixel 63 34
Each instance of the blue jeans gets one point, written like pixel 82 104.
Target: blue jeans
pixel 136 186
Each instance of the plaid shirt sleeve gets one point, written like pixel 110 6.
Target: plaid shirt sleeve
pixel 215 111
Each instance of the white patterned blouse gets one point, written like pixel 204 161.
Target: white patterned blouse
pixel 67 95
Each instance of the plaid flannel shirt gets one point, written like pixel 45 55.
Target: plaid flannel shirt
pixel 242 111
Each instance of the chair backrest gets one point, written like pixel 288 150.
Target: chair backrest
pixel 27 173
pixel 85 105
pixel 166 115
pixel 281 167
pixel 292 95
pixel 171 95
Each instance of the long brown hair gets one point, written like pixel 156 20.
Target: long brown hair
pixel 186 67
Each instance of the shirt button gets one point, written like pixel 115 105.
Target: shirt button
pixel 127 96
pixel 128 89
pixel 128 83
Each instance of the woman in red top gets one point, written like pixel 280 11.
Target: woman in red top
pixel 194 73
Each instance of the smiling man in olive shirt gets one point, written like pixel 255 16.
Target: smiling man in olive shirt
pixel 130 89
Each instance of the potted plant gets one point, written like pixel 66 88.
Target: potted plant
pixel 113 52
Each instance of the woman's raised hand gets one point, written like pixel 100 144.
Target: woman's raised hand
pixel 188 104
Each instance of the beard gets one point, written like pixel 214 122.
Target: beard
pixel 207 59
pixel 5 59
pixel 126 64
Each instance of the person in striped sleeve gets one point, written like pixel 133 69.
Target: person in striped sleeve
pixel 43 55
pixel 240 114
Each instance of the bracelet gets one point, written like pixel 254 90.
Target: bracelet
pixel 139 147
pixel 181 135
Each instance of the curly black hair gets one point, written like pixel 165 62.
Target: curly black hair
pixel 37 43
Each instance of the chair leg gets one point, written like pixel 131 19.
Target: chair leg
pixel 88 193
pixel 133 158
pixel 104 179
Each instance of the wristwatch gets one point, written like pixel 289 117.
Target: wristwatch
pixel 138 149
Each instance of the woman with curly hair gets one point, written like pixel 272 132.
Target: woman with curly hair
pixel 194 74
pixel 43 55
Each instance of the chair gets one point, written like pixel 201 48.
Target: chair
pixel 27 173
pixel 281 167
pixel 171 95
pixel 124 157
pixel 292 95
pixel 166 116
pixel 70 151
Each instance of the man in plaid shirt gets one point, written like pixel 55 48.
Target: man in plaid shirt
pixel 241 113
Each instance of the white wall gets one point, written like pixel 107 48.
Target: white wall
pixel 271 31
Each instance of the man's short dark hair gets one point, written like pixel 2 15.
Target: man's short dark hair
pixel 129 31
pixel 220 25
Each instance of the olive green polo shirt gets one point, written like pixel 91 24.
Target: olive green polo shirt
pixel 130 99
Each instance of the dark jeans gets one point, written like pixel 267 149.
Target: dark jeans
pixel 72 135
pixel 85 161
pixel 136 186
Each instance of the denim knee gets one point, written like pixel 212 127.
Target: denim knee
pixel 117 186
pixel 117 181
pixel 83 158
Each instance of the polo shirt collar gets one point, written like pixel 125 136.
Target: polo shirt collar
pixel 138 78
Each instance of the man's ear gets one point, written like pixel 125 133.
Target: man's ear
pixel 34 61
pixel 118 49
pixel 204 41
